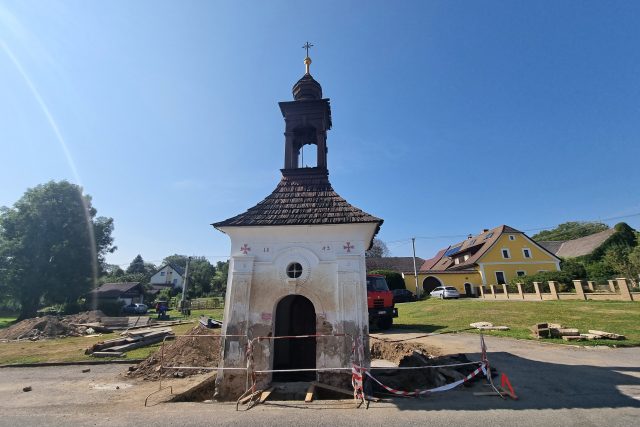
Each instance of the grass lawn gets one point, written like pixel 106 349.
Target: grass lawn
pixel 435 315
pixel 72 349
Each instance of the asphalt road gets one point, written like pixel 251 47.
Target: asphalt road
pixel 557 385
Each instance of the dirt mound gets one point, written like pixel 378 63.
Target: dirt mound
pixel 394 352
pixel 183 351
pixel 50 327
pixel 405 355
pixel 85 317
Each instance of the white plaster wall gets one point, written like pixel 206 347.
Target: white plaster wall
pixel 159 279
pixel 333 279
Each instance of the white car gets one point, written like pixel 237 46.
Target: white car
pixel 443 292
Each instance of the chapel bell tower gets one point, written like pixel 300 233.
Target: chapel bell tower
pixel 296 301
pixel 307 120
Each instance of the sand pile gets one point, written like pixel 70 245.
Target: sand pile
pixel 183 351
pixel 50 327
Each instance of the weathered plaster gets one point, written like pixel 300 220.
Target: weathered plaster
pixel 333 279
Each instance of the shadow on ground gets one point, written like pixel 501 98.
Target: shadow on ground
pixel 539 385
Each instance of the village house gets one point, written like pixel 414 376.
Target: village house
pixel 398 264
pixel 167 276
pixel 125 292
pixel 492 257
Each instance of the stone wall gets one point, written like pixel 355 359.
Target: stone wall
pixel 618 290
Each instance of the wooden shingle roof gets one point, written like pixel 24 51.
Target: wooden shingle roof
pixel 303 197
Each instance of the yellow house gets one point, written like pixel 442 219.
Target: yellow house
pixel 492 257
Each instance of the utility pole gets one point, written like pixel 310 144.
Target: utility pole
pixel 184 287
pixel 415 270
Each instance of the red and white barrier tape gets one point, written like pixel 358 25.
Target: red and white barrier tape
pixel 481 368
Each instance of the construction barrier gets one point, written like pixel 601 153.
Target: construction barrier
pixel 358 371
pixel 252 391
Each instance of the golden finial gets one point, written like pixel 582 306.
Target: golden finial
pixel 307 60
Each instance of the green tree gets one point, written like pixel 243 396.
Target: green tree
pixel 564 280
pixel 178 260
pixel 571 230
pixel 574 268
pixel 618 259
pixel 52 246
pixel 201 273
pixel 393 278
pixel 634 259
pixel 623 236
pixel 219 281
pixel 599 271
pixel 137 265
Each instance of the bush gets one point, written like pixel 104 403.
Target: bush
pixel 394 279
pixel 574 268
pixel 563 278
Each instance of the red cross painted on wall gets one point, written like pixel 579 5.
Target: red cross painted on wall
pixel 348 247
pixel 245 249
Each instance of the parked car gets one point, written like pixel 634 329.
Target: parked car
pixel 443 292
pixel 135 308
pixel 403 295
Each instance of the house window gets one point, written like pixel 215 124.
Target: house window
pixel 521 273
pixel 506 254
pixel 162 273
pixel 526 252
pixel 466 257
pixel 512 237
pixel 456 261
pixel 175 281
pixel 500 278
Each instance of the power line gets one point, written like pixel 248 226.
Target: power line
pixel 455 236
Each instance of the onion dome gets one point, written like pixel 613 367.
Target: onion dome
pixel 307 88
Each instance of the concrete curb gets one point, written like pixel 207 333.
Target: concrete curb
pixel 80 362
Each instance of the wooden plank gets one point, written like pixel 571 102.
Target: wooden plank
pixel 249 397
pixel 265 394
pixel 146 332
pixel 332 388
pixel 107 354
pixel 141 343
pixel 310 392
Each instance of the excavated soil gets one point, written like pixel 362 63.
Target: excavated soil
pixel 405 355
pixel 50 326
pixel 394 352
pixel 183 351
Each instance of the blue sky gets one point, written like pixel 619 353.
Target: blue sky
pixel 448 116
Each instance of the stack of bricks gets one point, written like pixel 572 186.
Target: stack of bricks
pixel 541 330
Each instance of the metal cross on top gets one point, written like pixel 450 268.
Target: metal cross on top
pixel 306 46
